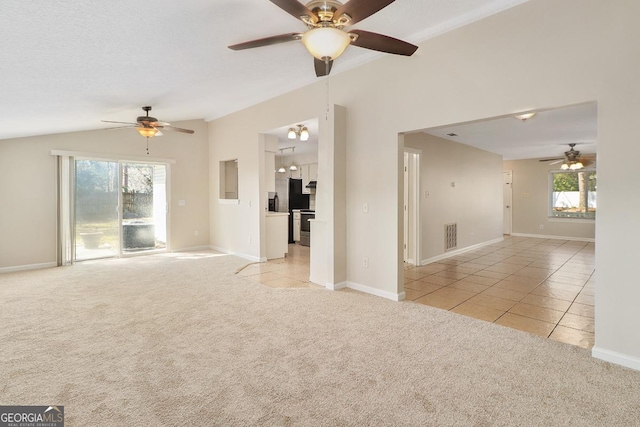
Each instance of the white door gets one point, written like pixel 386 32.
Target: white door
pixel 507 202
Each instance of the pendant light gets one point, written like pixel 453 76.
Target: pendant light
pixel 302 132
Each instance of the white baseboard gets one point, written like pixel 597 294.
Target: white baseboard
pixel 373 291
pixel 239 255
pixel 336 286
pixel 460 251
pixel 192 249
pixel 543 236
pixel 615 357
pixel 28 267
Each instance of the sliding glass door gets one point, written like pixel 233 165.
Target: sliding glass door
pixel 119 208
pixel 144 201
pixel 96 217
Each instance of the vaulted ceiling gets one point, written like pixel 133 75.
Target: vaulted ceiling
pixel 68 64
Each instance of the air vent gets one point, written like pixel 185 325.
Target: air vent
pixel 450 236
pixel 452 134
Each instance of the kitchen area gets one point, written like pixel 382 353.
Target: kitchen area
pixel 291 176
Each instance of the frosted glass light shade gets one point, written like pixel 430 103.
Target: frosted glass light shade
pixel 326 42
pixel 291 134
pixel 304 134
pixel 147 132
pixel 576 166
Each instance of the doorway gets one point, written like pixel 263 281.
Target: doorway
pixel 507 202
pixel 118 208
pixel 411 208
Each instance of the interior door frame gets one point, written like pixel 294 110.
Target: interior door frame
pixel 414 191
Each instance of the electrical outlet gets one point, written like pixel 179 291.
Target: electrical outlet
pixel 365 262
pixel 426 194
pixel 196 233
pixel 541 227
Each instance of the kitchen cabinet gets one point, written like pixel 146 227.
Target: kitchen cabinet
pixel 277 226
pixel 313 172
pixel 309 173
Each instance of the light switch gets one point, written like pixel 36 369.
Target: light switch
pixel 365 208
pixel 182 203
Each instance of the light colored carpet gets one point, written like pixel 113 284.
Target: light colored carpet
pixel 179 339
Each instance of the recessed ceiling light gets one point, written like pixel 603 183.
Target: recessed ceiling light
pixel 524 117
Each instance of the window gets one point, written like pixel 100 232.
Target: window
pixel 573 194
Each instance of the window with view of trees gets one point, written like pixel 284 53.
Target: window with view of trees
pixel 573 194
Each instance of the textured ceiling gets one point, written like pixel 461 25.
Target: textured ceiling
pixel 68 64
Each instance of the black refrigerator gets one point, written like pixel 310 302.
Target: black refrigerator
pixel 297 200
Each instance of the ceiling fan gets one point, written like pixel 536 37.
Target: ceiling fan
pixel 148 126
pixel 326 37
pixel 571 160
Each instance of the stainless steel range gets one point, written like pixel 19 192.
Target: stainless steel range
pixel 305 226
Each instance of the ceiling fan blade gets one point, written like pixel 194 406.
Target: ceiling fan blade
pixel 121 123
pixel 360 9
pixel 121 127
pixel 267 41
pixel 158 133
pixel 382 43
pixel 295 9
pixel 322 68
pixel 556 162
pixel 551 160
pixel 175 129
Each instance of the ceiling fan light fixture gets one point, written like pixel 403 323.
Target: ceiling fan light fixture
pixel 564 166
pixel 326 43
pixel 147 132
pixel 576 166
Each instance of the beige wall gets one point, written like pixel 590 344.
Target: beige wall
pixel 530 203
pixel 28 186
pixel 475 203
pixel 541 54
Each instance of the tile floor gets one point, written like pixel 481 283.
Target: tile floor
pixel 545 287
pixel 541 286
pixel 291 271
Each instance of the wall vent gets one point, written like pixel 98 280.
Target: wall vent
pixel 450 236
